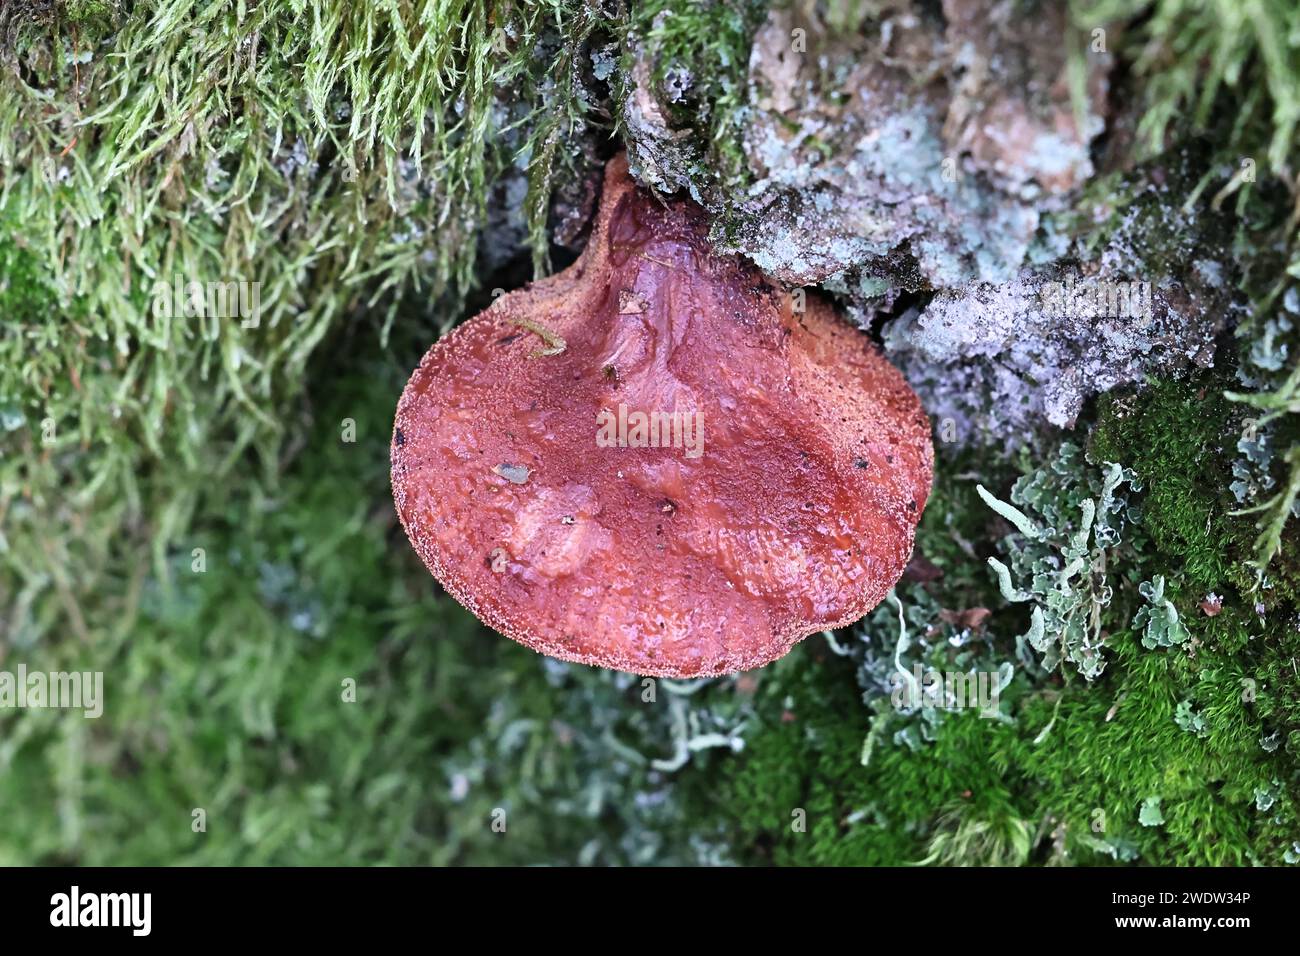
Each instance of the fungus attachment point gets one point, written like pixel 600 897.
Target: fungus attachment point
pixel 687 480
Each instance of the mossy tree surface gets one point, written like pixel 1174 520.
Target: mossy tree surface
pixel 312 691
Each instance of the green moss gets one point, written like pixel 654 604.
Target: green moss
pixel 336 157
pixel 956 525
pixel 1179 437
pixel 702 50
pixel 1066 783
pixel 1195 58
pixel 90 11
pixel 906 807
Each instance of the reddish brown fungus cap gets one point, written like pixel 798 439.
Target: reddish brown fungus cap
pixel 771 490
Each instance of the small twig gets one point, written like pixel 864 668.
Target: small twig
pixel 554 344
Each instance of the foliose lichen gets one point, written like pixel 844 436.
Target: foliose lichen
pixel 1067 520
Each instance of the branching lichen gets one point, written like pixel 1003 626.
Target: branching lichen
pixel 1061 558
pixel 1158 620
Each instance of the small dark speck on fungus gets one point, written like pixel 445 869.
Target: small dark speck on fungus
pixel 792 512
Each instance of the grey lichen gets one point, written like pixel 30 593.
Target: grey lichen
pixel 918 663
pixel 899 158
pixel 873 154
pixel 1158 620
pixel 999 359
pixel 1068 519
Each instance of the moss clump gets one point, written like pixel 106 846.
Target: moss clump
pixel 1179 437
pixel 1065 783
pixel 335 157
pixel 1196 59
pixel 700 63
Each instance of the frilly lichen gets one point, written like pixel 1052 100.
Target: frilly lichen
pixel 1158 619
pixel 1058 559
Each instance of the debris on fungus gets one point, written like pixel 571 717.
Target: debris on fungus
pixel 633 543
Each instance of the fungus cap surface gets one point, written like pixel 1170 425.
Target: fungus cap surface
pixel 784 468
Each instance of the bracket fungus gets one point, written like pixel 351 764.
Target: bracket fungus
pixel 653 462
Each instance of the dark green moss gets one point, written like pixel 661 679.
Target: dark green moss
pixel 1179 437
pixel 1065 783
